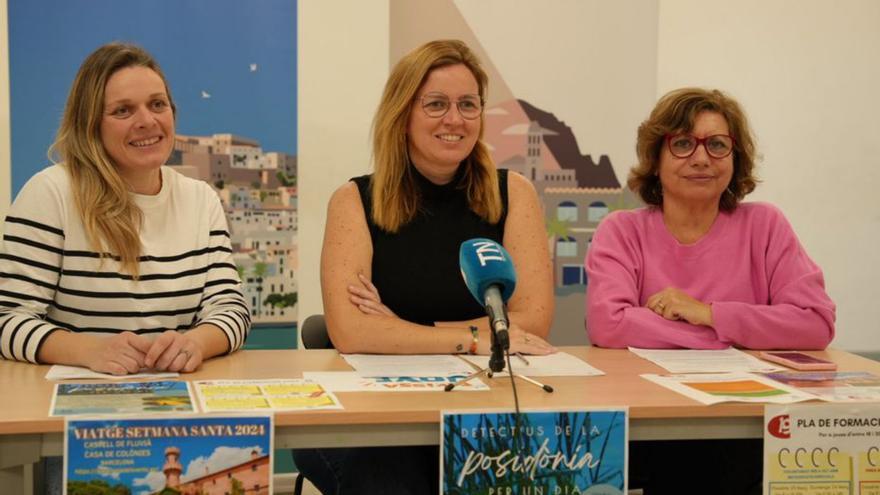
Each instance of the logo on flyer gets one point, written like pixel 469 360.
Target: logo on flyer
pixel 780 426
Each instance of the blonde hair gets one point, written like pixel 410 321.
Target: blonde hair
pixel 111 219
pixel 395 199
pixel 676 112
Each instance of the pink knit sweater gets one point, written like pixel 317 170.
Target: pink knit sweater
pixel 765 292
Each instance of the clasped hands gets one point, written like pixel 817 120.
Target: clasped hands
pixel 675 304
pixel 366 298
pixel 128 353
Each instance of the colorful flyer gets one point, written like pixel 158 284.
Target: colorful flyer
pixel 351 381
pixel 263 395
pixel 827 449
pixel 173 455
pixel 833 386
pixel 121 398
pixel 714 388
pixel 550 452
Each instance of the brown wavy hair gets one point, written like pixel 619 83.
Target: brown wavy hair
pixel 395 198
pixel 111 219
pixel 676 112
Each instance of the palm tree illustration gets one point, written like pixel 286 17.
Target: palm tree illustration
pixel 259 271
pixel 556 229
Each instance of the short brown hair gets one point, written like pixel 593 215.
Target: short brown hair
pixel 676 112
pixel 394 193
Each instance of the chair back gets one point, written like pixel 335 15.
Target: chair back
pixel 314 333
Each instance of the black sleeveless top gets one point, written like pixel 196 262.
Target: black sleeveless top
pixel 416 270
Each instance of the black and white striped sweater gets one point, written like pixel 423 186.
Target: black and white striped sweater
pixel 51 278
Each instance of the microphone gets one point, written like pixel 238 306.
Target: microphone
pixel 490 278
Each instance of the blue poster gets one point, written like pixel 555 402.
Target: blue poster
pixel 534 453
pixel 191 454
pixel 232 72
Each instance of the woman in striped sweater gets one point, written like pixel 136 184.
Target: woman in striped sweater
pixel 109 259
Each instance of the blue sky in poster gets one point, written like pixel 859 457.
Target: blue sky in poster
pixel 202 45
pixel 134 458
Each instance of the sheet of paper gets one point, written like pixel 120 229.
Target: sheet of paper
pixel 260 395
pixel 407 365
pixel 712 388
pixel 832 386
pixel 351 381
pixel 559 364
pixel 62 372
pixel 709 361
pixel 121 398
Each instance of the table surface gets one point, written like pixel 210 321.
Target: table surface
pixel 28 393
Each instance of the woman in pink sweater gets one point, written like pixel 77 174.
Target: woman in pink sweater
pixel 697 268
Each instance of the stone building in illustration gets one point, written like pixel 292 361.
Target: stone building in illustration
pixel 259 193
pixel 251 476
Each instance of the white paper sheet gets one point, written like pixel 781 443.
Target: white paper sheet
pixel 63 372
pixel 705 361
pixel 407 365
pixel 351 381
pixel 712 388
pixel 559 364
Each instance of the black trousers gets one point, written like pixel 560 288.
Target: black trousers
pixel 717 467
pixel 372 470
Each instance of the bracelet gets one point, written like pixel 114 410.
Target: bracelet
pixel 475 334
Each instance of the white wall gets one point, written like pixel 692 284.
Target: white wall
pixel 343 64
pixel 808 74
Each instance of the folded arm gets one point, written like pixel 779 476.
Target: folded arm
pixel 347 257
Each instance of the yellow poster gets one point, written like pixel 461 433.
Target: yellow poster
pixel 254 395
pixel 826 449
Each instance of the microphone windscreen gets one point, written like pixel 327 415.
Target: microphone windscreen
pixel 484 263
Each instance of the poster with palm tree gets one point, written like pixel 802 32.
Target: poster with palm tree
pixel 537 452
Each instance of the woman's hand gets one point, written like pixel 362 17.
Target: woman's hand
pixel 120 354
pixel 527 343
pixel 366 298
pixel 675 304
pixel 174 351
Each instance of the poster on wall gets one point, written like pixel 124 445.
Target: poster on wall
pixel 232 71
pixel 822 449
pixel 562 110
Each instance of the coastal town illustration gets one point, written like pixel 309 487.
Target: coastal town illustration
pixel 258 189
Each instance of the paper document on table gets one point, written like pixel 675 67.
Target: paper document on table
pixel 559 364
pixel 407 365
pixel 281 394
pixel 832 386
pixel 351 381
pixel 712 388
pixel 62 372
pixel 704 361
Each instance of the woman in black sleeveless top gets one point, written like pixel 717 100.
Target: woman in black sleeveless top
pixel 389 266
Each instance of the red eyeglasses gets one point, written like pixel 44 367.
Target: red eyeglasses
pixel 684 145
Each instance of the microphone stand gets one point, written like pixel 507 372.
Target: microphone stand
pixel 496 365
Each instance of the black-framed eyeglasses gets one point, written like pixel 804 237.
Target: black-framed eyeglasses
pixel 684 145
pixel 436 105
